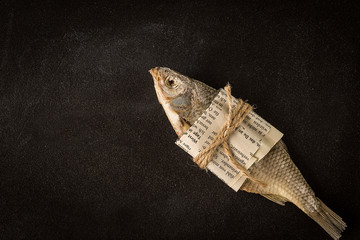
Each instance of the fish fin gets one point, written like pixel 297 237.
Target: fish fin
pixel 328 220
pixel 275 198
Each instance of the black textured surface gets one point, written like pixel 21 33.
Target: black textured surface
pixel 87 152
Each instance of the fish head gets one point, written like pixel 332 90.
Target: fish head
pixel 173 87
pixel 183 99
pixel 176 94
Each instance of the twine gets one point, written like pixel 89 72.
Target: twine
pixel 234 119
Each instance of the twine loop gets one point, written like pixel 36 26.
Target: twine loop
pixel 234 119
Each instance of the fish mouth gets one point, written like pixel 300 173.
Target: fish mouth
pixel 154 73
pixel 156 77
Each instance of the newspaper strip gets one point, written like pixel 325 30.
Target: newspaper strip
pixel 250 142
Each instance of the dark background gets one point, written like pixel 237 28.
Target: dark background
pixel 88 153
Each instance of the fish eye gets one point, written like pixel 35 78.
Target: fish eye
pixel 171 83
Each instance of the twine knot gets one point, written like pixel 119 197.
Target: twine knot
pixel 234 119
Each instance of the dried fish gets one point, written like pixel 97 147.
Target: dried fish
pixel 184 99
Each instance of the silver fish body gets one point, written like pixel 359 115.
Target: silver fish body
pixel 184 99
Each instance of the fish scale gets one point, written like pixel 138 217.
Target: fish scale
pixel 283 178
pixel 284 182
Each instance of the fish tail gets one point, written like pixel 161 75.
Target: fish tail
pixel 328 220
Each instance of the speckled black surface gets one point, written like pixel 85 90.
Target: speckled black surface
pixel 86 151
